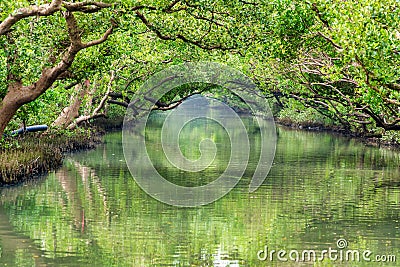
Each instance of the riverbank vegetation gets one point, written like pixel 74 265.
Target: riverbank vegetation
pixel 319 64
pixel 33 154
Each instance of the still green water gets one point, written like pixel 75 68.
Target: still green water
pixel 321 188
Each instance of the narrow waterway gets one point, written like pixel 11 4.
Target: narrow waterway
pixel 321 188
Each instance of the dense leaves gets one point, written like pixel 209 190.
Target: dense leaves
pixel 335 58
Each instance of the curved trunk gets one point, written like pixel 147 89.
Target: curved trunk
pixel 7 112
pixel 19 95
pixel 71 112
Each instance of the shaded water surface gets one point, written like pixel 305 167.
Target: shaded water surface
pixel 321 188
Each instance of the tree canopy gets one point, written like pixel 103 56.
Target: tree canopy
pixel 68 62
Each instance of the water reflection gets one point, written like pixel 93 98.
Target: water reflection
pixel 91 212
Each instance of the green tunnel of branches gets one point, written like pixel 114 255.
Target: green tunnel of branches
pixel 335 62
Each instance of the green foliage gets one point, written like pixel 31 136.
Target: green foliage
pixel 344 64
pixel 391 137
pixel 8 144
pixel 307 117
pixel 339 58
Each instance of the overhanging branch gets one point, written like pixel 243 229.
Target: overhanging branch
pixel 180 36
pixel 48 10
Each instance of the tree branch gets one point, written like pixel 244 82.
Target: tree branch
pixel 338 47
pixel 96 112
pixel 319 15
pixel 42 10
pixel 49 75
pixel 119 103
pixel 179 36
pixel 174 104
pixel 248 3
pixel 100 40
pixel 169 8
pixel 86 6
pixel 49 9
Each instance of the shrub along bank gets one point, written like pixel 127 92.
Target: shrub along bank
pixel 33 154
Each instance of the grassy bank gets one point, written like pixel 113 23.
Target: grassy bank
pixel 33 154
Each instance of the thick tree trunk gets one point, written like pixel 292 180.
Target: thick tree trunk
pixel 7 112
pixel 18 94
